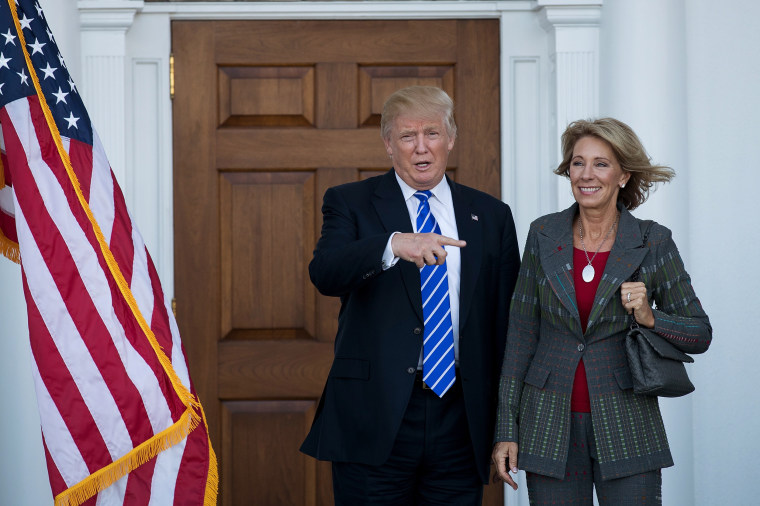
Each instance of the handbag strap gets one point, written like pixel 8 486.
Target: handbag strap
pixel 647 224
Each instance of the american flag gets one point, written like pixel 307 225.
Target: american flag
pixel 121 423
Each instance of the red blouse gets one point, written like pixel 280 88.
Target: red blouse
pixel 584 297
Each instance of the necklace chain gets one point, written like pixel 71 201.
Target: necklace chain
pixel 580 232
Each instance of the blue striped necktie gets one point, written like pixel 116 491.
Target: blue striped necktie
pixel 438 346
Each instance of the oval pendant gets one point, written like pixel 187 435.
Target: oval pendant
pixel 588 273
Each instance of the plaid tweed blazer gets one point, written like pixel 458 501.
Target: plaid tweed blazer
pixel 545 343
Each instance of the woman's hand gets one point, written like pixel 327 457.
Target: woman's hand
pixel 633 295
pixel 504 452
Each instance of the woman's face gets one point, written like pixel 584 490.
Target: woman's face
pixel 595 174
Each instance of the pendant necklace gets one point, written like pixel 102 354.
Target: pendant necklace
pixel 588 271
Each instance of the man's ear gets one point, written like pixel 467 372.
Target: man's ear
pixel 388 148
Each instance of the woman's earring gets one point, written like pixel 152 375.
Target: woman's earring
pixel 622 185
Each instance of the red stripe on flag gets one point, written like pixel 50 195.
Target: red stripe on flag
pixel 122 247
pixel 193 471
pixel 160 319
pixel 64 392
pixel 56 480
pixel 8 226
pixel 139 484
pixel 7 173
pixel 80 155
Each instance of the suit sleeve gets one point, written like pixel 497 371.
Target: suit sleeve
pixel 522 341
pixel 679 316
pixel 343 259
pixel 508 269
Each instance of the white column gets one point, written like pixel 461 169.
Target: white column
pixel 104 24
pixel 574 53
pixel 149 139
pixel 643 82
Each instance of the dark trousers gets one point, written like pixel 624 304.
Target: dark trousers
pixel 432 461
pixel 582 475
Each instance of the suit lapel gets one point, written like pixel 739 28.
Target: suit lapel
pixel 626 255
pixel 555 244
pixel 389 204
pixel 469 230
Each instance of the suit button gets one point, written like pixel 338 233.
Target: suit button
pixel 417 330
pixel 411 370
pixel 580 347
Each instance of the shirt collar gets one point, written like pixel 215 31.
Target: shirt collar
pixel 441 191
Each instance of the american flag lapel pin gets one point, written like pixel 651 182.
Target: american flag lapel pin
pixel 474 217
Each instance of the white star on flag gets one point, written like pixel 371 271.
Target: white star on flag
pixel 25 23
pixel 72 120
pixel 9 38
pixel 49 71
pixel 37 46
pixel 60 96
pixel 23 76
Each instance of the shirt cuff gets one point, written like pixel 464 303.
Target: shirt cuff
pixel 388 259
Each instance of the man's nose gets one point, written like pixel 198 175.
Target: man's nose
pixel 420 146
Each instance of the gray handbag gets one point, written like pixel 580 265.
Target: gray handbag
pixel 656 365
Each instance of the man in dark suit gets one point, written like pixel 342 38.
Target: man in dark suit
pixel 414 258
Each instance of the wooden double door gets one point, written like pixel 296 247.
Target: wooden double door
pixel 267 115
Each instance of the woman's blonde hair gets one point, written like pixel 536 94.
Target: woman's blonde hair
pixel 628 150
pixel 418 100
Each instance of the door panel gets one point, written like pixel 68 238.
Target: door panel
pixel 267 116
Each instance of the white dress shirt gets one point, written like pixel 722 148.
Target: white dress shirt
pixel 442 207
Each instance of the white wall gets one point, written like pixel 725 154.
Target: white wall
pixel 723 76
pixel 643 83
pixel 685 75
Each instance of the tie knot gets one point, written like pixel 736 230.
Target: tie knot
pixel 423 195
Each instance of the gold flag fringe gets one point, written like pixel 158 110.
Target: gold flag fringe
pixel 212 477
pixel 9 249
pixel 107 476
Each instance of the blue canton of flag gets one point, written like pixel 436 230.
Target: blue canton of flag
pixel 59 89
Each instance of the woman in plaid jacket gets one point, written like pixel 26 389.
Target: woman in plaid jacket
pixel 567 413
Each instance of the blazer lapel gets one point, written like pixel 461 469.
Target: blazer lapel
pixel 469 230
pixel 555 242
pixel 389 204
pixel 626 255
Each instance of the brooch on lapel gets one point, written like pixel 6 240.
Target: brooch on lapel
pixel 474 217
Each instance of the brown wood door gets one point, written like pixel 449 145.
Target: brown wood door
pixel 267 115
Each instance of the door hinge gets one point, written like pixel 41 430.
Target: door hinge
pixel 171 76
pixel 174 306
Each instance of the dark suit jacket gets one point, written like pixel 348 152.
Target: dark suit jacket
pixel 546 342
pixel 380 322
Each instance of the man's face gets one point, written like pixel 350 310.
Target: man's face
pixel 419 147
